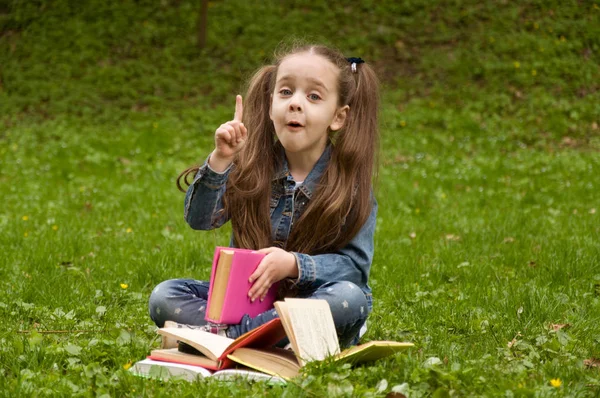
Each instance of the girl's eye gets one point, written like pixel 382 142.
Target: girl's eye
pixel 285 91
pixel 314 97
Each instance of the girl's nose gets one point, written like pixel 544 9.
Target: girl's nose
pixel 295 104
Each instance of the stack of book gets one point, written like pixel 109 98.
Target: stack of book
pixel 307 323
pixel 201 354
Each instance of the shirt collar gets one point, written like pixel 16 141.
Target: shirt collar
pixel 309 185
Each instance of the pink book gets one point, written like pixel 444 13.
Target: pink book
pixel 228 299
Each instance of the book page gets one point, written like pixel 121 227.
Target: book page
pixel 281 308
pixel 166 370
pixel 372 351
pixel 273 361
pixel 173 355
pixel 248 375
pixel 313 328
pixel 211 345
pixel 219 286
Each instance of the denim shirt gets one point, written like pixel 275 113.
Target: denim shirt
pixel 204 210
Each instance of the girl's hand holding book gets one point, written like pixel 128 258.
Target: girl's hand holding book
pixel 278 264
pixel 230 138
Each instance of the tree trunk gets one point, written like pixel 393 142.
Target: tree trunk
pixel 202 23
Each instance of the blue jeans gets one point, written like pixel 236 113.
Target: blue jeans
pixel 184 301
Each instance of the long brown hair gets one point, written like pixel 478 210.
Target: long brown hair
pixel 343 198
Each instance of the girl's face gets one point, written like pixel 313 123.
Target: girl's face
pixel 304 104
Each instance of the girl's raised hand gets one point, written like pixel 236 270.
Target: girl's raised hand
pixel 230 138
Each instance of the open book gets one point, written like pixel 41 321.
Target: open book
pixel 309 326
pixel 228 299
pixel 212 349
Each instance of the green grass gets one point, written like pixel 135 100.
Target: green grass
pixel 488 229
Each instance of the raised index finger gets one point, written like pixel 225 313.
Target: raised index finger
pixel 239 109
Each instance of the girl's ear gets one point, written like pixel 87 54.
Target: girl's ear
pixel 340 118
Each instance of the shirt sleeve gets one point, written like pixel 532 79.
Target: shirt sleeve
pixel 203 206
pixel 351 263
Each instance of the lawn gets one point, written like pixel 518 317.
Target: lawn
pixel 488 235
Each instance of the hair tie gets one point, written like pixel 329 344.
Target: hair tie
pixel 353 61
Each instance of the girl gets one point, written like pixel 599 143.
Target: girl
pixel 293 172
